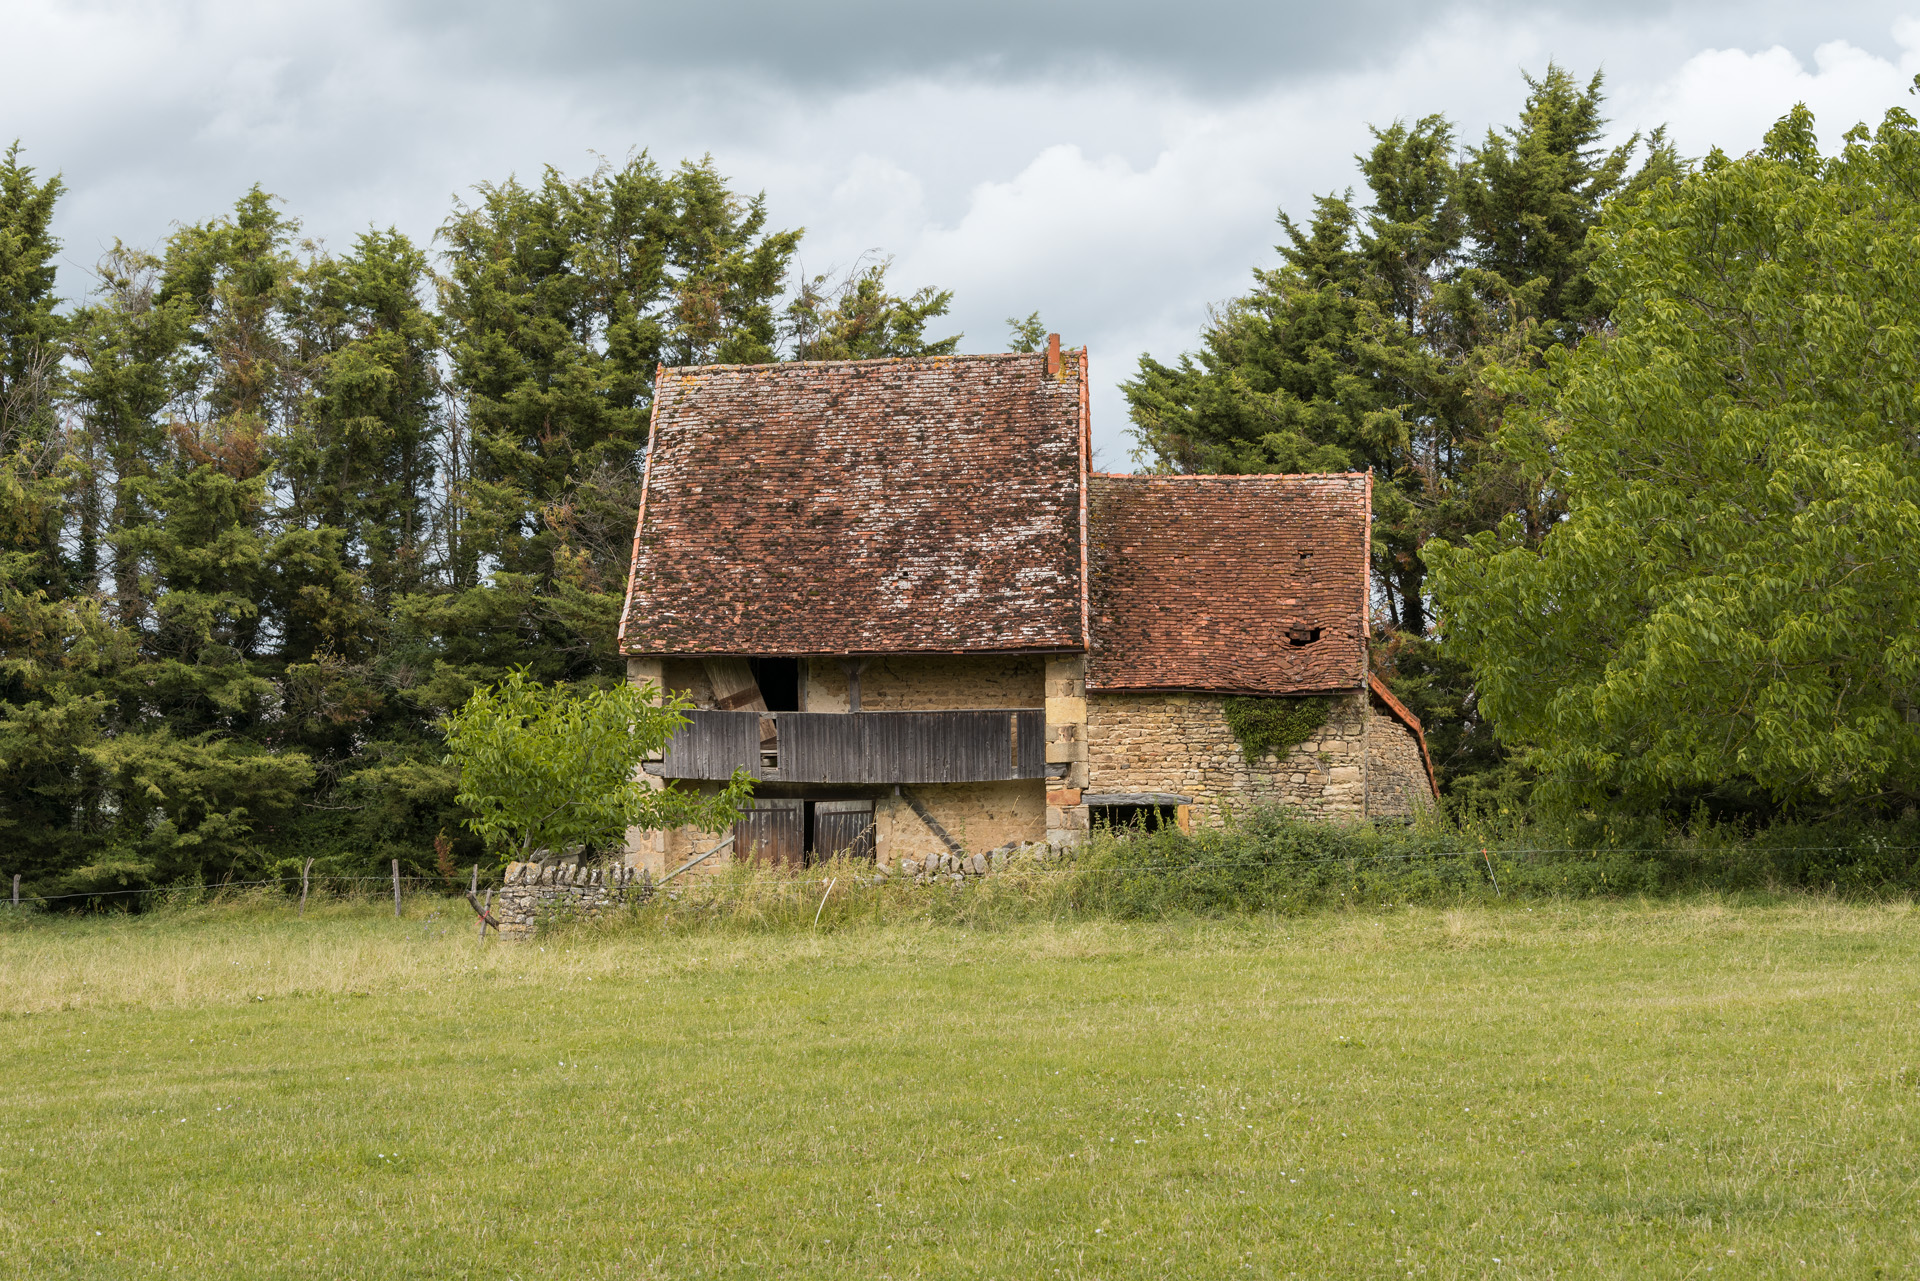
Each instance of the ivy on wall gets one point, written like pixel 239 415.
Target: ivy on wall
pixel 1277 725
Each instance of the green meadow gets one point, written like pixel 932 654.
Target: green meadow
pixel 1687 1088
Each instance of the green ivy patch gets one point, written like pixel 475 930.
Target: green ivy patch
pixel 1277 725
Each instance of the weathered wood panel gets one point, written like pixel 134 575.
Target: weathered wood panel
pixel 843 828
pixel 772 832
pixel 904 747
pixel 1031 741
pixel 712 745
pixel 864 747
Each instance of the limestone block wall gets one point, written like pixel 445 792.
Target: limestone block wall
pixel 1397 785
pixel 684 676
pixel 1180 744
pixel 922 683
pixel 979 816
pixel 1067 747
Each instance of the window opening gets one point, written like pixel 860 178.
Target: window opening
pixel 779 681
pixel 1301 637
pixel 1146 818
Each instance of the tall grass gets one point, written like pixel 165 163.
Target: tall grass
pixel 1270 861
pixel 1261 861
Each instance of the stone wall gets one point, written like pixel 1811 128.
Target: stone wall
pixel 1397 785
pixel 1180 744
pixel 923 683
pixel 533 893
pixel 979 816
pixel 1066 748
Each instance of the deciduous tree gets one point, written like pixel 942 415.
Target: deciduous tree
pixel 1732 593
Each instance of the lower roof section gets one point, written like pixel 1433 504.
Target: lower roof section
pixel 1232 584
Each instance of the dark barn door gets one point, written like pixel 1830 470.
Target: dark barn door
pixel 842 828
pixel 772 832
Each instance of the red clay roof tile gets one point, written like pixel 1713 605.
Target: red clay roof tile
pixel 929 505
pixel 1195 582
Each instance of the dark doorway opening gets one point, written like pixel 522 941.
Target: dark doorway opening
pixel 779 681
pixel 1150 818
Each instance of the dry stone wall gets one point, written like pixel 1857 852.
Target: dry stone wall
pixel 533 893
pixel 1180 744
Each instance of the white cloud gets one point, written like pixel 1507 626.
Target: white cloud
pixel 1730 97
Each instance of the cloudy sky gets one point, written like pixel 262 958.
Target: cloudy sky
pixel 1115 165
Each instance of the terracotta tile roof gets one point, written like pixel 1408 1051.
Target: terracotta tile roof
pixel 886 506
pixel 1412 722
pixel 1196 582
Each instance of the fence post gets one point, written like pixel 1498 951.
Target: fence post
pixel 473 887
pixel 16 889
pixel 483 914
pixel 396 889
pixel 305 873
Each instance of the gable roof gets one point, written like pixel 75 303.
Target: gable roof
pixel 1195 582
pixel 929 505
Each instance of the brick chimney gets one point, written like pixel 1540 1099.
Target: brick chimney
pixel 1053 355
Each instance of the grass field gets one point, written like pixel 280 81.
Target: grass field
pixel 1575 1090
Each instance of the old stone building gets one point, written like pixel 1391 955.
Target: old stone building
pixel 895 593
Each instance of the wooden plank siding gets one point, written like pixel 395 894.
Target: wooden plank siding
pixel 864 747
pixel 843 828
pixel 772 832
pixel 713 745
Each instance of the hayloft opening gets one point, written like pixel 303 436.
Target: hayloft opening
pixel 779 682
pixel 1301 637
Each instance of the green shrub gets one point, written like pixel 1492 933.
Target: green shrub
pixel 1276 725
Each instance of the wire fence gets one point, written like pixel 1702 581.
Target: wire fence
pixel 453 886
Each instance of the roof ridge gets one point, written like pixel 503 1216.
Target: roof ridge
pixel 1257 475
pixel 872 360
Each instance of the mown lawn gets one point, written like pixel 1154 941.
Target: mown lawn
pixel 1595 1089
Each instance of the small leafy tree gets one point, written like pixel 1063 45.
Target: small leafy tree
pixel 544 767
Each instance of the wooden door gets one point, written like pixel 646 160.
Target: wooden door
pixel 772 832
pixel 842 828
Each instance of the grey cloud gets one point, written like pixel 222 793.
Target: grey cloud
pixel 1202 46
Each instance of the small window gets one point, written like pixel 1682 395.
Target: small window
pixel 1146 818
pixel 1301 637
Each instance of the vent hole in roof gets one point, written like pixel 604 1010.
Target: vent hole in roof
pixel 1301 637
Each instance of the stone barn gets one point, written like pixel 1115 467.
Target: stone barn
pixel 897 595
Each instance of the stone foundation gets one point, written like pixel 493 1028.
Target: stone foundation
pixel 955 867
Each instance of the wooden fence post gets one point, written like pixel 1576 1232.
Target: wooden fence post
pixel 16 889
pixel 483 914
pixel 305 873
pixel 396 889
pixel 473 886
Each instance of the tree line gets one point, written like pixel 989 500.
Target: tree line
pixel 1647 481
pixel 269 511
